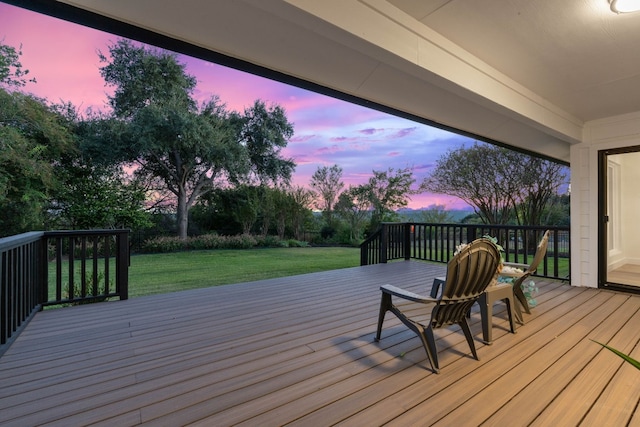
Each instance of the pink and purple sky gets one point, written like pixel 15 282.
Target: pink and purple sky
pixel 63 58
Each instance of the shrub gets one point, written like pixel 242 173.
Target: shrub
pixel 206 241
pixel 327 232
pixel 268 241
pixel 292 243
pixel 77 289
pixel 215 241
pixel 242 241
pixel 163 244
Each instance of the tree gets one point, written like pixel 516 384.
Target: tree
pixel 539 185
pixel 191 149
pixel 145 77
pixel 301 209
pixel 188 151
pixel 95 196
pixel 245 206
pixel 164 132
pixel 11 72
pixel 265 131
pixel 327 181
pixel 501 185
pixel 353 207
pixel 436 214
pixel 387 191
pixel 557 212
pixel 33 137
pixel 474 176
pixel 284 205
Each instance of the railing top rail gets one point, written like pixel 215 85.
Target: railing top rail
pixel 20 239
pixel 65 233
pixel 372 237
pixel 493 226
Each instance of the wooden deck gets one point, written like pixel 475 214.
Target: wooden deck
pixel 300 351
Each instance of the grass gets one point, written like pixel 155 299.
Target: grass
pixel 162 273
pixel 171 272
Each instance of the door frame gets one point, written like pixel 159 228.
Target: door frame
pixel 603 219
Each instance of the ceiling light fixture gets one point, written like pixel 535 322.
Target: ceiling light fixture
pixel 625 6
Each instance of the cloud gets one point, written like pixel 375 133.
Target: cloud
pixel 423 167
pixel 340 139
pixel 401 133
pixel 330 149
pixel 300 139
pixel 371 131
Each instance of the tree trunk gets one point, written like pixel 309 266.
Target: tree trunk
pixel 183 215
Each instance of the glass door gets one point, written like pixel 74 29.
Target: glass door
pixel 619 265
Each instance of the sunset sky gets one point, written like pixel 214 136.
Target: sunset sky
pixel 63 58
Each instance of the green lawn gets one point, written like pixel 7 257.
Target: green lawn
pixel 161 273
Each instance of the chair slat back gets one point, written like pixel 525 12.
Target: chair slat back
pixel 468 275
pixel 541 251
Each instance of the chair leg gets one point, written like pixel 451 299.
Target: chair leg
pixel 385 305
pixel 517 290
pixel 467 333
pixel 486 301
pixel 518 312
pixel 510 303
pixel 486 316
pixel 429 343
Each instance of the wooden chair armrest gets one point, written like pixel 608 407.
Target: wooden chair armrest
pixel 516 265
pixel 516 275
pixel 404 294
pixel 438 283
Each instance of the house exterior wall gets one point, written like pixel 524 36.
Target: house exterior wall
pixel 614 132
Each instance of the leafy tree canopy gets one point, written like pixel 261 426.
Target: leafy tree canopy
pixel 264 131
pixel 191 149
pixel 144 77
pixel 33 138
pixel 11 72
pixel 436 214
pixel 388 191
pixel 97 196
pixel 353 207
pixel 503 186
pixel 327 182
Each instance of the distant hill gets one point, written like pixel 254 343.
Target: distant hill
pixel 414 214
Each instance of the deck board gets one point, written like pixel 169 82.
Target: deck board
pixel 300 351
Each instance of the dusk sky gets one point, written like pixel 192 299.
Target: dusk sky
pixel 63 58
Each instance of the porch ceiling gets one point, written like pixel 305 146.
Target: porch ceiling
pixel 528 73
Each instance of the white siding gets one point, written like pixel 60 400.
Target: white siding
pixel 614 132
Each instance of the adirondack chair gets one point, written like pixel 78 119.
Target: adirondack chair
pixel 527 270
pixel 468 275
pixel 506 292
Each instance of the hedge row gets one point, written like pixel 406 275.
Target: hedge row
pixel 215 241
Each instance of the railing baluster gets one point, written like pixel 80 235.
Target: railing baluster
pixel 83 266
pixel 4 271
pixel 107 256
pixel 95 265
pixel 24 273
pixel 71 258
pixel 437 242
pixel 58 269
